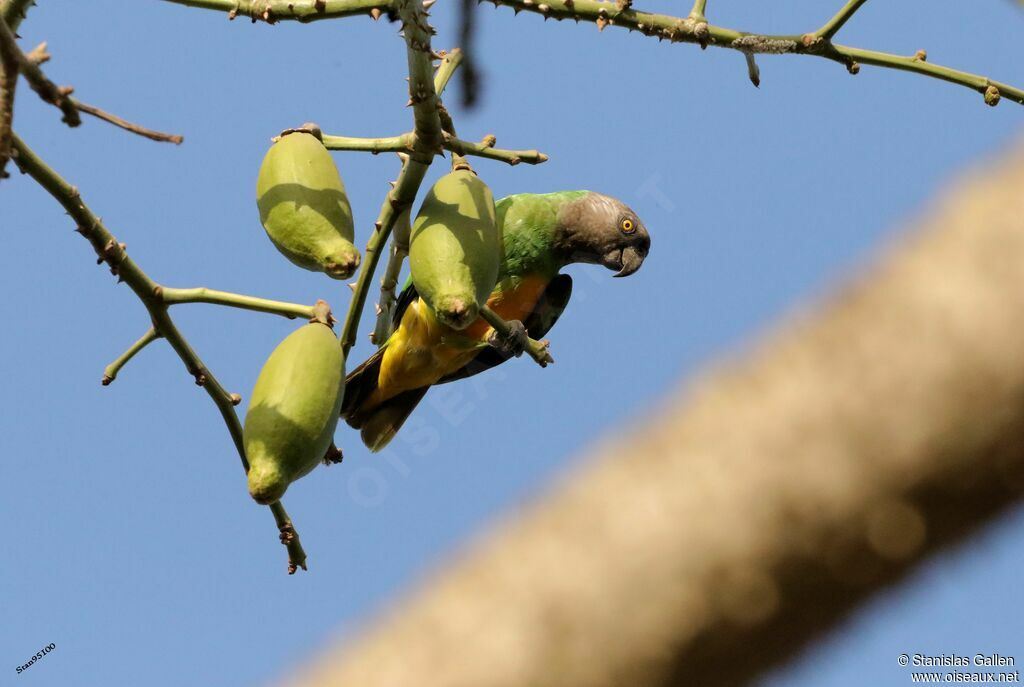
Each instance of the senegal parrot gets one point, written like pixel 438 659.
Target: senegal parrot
pixel 541 234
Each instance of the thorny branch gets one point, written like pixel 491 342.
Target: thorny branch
pixel 433 133
pixel 58 96
pixel 400 242
pixel 695 29
pixel 113 253
pixel 15 61
pixel 404 143
pixel 272 11
pixel 427 142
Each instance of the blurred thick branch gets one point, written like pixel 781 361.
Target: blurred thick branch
pixel 756 508
pixel 12 12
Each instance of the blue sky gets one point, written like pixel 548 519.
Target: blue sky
pixel 131 542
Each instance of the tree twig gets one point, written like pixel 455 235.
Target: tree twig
pixel 110 373
pixel 389 282
pixel 272 11
pixel 172 296
pixel 450 62
pixel 426 143
pixel 390 144
pixel 486 149
pixel 58 96
pixel 126 125
pixel 113 253
pixel 833 25
pixel 695 30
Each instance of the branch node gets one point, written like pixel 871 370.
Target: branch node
pixel 333 456
pixel 322 313
pixel 38 55
pixel 992 96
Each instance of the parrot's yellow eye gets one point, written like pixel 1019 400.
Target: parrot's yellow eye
pixel 628 227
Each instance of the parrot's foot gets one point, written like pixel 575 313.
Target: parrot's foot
pixel 510 337
pixel 514 342
pixel 333 455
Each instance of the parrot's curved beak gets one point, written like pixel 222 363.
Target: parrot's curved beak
pixel 630 260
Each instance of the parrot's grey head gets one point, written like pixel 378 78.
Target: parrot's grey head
pixel 601 230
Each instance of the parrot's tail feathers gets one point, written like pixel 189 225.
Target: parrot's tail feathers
pixel 378 422
pixel 383 422
pixel 359 385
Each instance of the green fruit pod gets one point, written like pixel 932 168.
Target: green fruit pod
pixel 294 410
pixel 455 248
pixel 303 205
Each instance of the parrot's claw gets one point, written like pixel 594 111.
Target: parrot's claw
pixel 515 343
